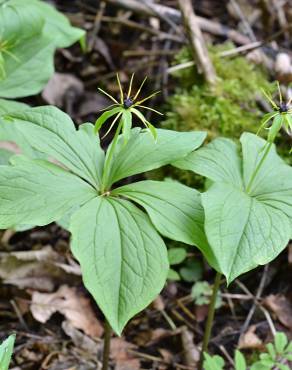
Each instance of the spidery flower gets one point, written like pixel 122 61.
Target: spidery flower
pixel 123 110
pixel 280 117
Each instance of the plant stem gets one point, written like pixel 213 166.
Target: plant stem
pixel 106 345
pixel 211 311
pixel 255 172
pixel 110 156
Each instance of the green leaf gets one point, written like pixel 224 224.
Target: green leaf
pixel 245 230
pixel 105 116
pixel 242 231
pixel 173 275
pixel 175 210
pixel 8 106
pixel 259 366
pixel 191 271
pixel 127 125
pixel 122 257
pixel 19 21
pixel 271 350
pixel 218 161
pixel 28 67
pixel 50 131
pixel 38 192
pixel 57 26
pixel 275 128
pixel 8 131
pixel 240 363
pixel 30 32
pixel 142 154
pixel 153 131
pixel 213 362
pixel 5 156
pixel 176 256
pixel 6 350
pixel 281 342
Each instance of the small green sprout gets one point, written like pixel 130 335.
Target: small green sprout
pixel 124 110
pixel 281 116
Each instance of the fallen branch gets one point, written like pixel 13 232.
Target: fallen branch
pixel 197 43
pixel 163 12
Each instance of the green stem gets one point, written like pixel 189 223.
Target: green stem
pixel 109 157
pixel 254 175
pixel 106 346
pixel 210 319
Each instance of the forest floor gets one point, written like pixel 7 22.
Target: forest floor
pixel 42 298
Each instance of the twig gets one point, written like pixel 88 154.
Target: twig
pixel 96 25
pixel 226 354
pixel 161 11
pixel 131 24
pixel 244 21
pixel 19 315
pixel 141 53
pixel 151 7
pixel 257 296
pixel 198 46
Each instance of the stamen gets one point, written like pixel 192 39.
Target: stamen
pixel 147 98
pixel 139 90
pixel 112 125
pixel 130 86
pixel 108 95
pixel 120 87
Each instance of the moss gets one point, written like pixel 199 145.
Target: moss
pixel 228 110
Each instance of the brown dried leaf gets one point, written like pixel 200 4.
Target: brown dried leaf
pixel 80 339
pixel 123 359
pixel 73 305
pixel 250 339
pixel 281 307
pixel 35 269
pixel 191 352
pixel 62 86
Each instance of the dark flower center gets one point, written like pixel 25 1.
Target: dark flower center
pixel 283 108
pixel 128 102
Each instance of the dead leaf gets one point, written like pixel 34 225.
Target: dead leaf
pixel 158 304
pixel 62 86
pixel 27 270
pixel 281 307
pixel 123 359
pixel 283 68
pixel 191 352
pixel 91 103
pixel 80 339
pixel 35 269
pixel 73 305
pixel 250 339
pixel 166 355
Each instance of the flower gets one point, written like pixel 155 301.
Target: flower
pixel 124 109
pixel 281 116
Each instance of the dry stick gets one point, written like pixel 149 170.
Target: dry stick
pixel 198 46
pixel 265 312
pixel 243 19
pixel 258 295
pixel 162 11
pixel 131 24
pixel 96 26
